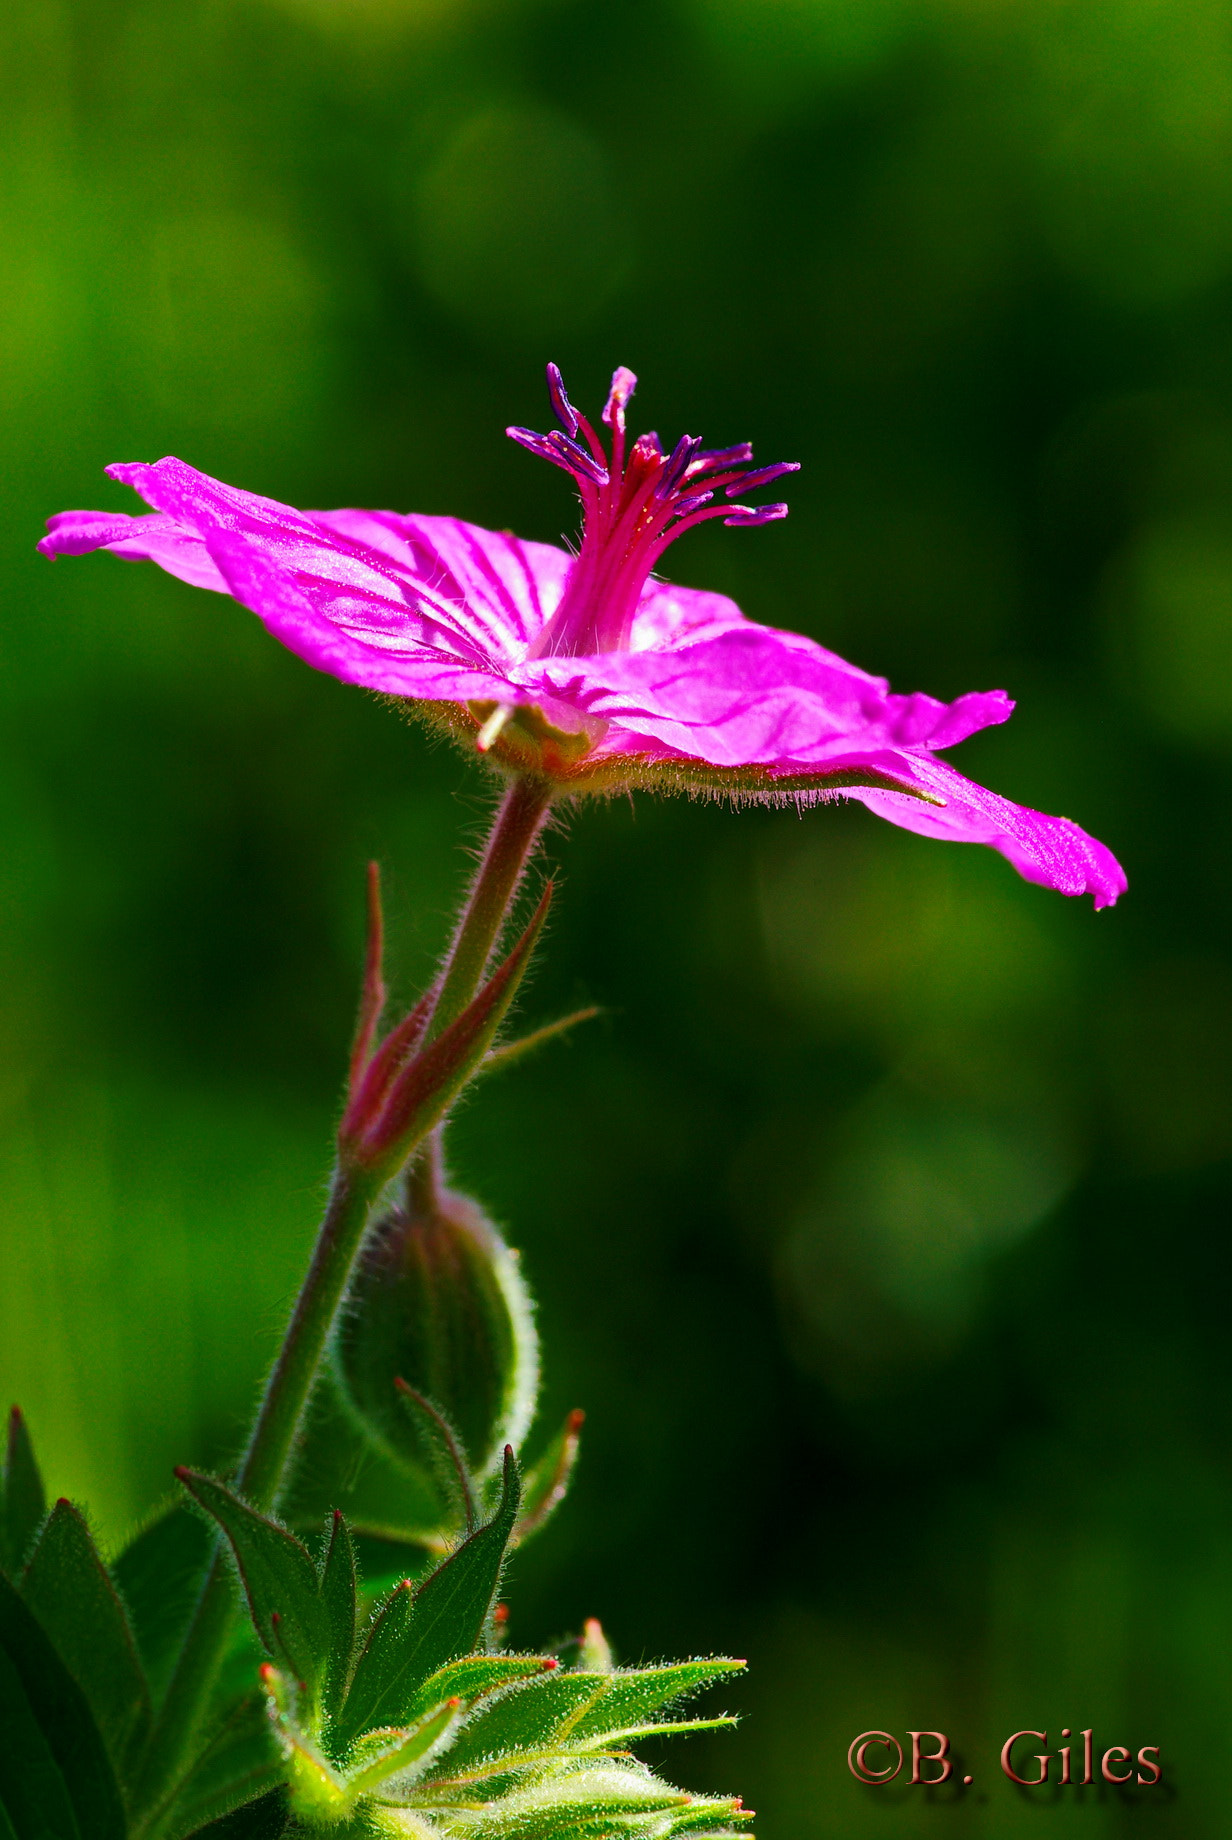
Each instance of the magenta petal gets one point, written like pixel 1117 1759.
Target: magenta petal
pixel 1052 851
pixel 154 538
pixel 351 641
pixel 413 606
pixel 751 696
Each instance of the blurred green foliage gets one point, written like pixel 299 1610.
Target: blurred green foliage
pixel 885 1203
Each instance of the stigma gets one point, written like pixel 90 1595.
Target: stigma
pixel 636 500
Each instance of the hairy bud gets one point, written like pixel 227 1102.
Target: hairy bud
pixel 439 1305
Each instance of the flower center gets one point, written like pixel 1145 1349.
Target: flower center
pixel 634 503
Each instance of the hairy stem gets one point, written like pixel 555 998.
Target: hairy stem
pixel 511 842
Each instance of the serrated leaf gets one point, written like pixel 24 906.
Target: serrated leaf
pixel 339 1593
pixel 239 1764
pixel 475 1676
pixel 443 1620
pixel 278 1575
pixel 64 1725
pixel 22 1501
pixel 70 1591
pixel 633 1695
pixel 264 1819
pixel 159 1576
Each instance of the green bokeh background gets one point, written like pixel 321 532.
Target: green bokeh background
pixel 881 1223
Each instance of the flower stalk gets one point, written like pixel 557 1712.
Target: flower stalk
pixel 399 1094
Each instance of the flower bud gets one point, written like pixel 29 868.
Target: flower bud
pixel 439 1304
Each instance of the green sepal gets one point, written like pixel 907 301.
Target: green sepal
pixel 159 1576
pixel 417 1632
pixel 338 1466
pixel 56 1780
pixel 444 1447
pixel 22 1500
pixel 279 1579
pixel 239 1765
pixel 340 1595
pixel 70 1591
pixel 438 1301
pixel 547 1481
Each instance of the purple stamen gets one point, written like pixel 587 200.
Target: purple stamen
pixel 561 451
pixel 711 459
pixel 744 517
pixel 762 477
pixel 689 501
pixel 536 443
pixel 677 464
pixel 577 459
pixel 566 414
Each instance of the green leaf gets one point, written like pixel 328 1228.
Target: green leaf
pixel 159 1576
pixel 264 1819
pixel 279 1579
pixel 339 1590
pixel 22 1501
pixel 417 1634
pixel 474 1677
pixel 454 1602
pixel 634 1695
pixel 319 1794
pixel 70 1591
pixel 378 1694
pixel 33 1792
pixel 598 1802
pixel 51 1754
pixel 401 1750
pixel 527 1718
pixel 239 1765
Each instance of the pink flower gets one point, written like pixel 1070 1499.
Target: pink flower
pixel 587 668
